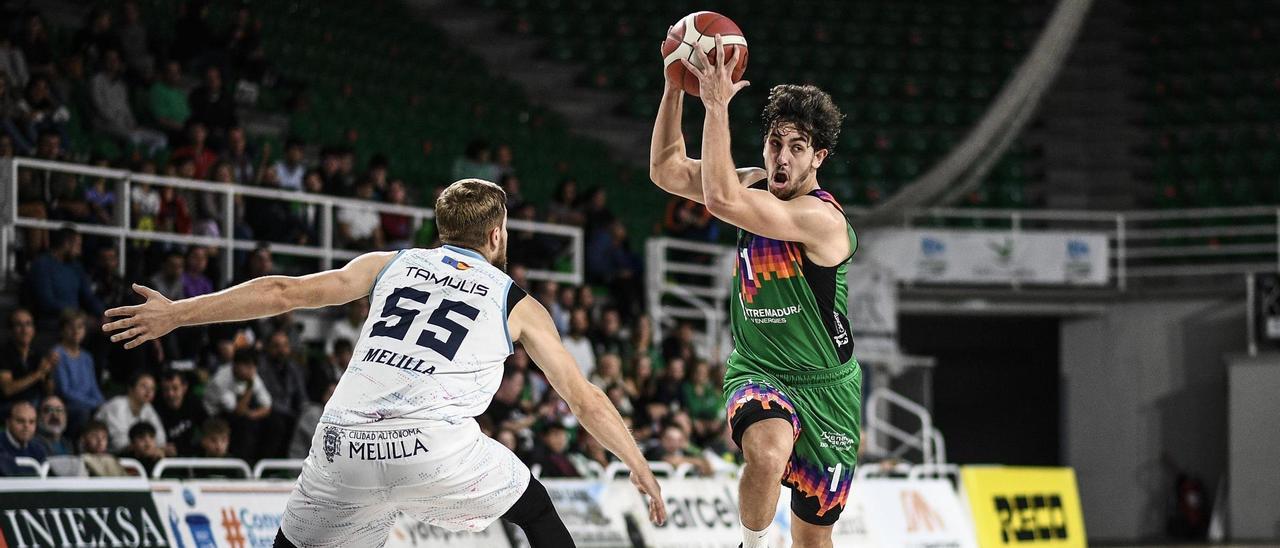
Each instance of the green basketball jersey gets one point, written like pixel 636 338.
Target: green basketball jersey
pixel 790 315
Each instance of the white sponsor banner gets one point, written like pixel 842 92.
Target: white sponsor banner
pixel 924 513
pixel 410 532
pixel 207 514
pixel 873 308
pixel 701 513
pixel 993 256
pixel 850 531
pixel 594 511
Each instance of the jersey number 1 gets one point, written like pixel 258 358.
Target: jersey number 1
pixel 447 347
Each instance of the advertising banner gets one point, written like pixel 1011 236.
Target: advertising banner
pixel 410 532
pixel 993 256
pixel 701 513
pixel 594 511
pixel 850 531
pixel 1024 506
pixel 234 514
pixel 917 513
pixel 873 309
pixel 74 512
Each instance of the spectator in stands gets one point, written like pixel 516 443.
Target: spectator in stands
pixel 35 44
pixel 237 393
pixel 690 220
pixel 563 207
pixel 530 248
pixel 504 159
pixel 132 36
pixel 25 372
pixel 44 113
pixel 144 445
pixel 476 161
pixel 702 398
pixel 608 338
pixel 112 113
pixel 59 282
pixel 75 378
pixel 215 438
pixel 123 411
pixel 243 160
pixel 511 185
pixel 12 119
pixel 13 64
pixel 566 300
pixel 585 297
pixel 504 409
pixel 273 220
pixel 397 229
pixel 96 38
pixel 665 390
pixel 93 451
pixel 52 425
pixel 679 344
pixel 577 343
pixel 282 377
pixel 257 264
pixel 349 325
pixel 673 448
pixel 552 454
pixel 105 279
pixel 360 227
pixel 289 170
pixel 194 280
pixel 168 102
pixel 589 450
pixel 608 371
pixel 168 281
pixel 213 107
pixel 243 43
pixel 179 413
pixel 307 423
pixel 197 150
pixel 596 215
pixel 101 198
pixel 20 430
pixel 377 172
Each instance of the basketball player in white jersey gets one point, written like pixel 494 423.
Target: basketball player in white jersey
pixel 398 435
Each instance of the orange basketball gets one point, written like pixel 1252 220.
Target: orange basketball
pixel 699 30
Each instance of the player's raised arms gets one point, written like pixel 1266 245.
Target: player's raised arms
pixel 256 298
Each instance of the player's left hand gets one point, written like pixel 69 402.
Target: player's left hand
pixel 648 485
pixel 715 79
pixel 141 323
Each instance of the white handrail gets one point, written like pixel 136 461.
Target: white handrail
pixel 41 468
pixel 133 465
pixel 922 440
pixel 276 464
pixel 325 251
pixel 202 464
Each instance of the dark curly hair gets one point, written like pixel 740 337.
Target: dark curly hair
pixel 809 108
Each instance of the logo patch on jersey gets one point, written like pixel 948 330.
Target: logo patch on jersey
pixel 455 263
pixel 332 442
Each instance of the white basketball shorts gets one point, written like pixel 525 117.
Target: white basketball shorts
pixel 356 482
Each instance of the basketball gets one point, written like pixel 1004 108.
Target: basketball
pixel 699 30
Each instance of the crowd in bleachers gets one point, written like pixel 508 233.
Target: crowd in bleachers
pixel 255 390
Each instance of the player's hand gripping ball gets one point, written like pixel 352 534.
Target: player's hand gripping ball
pixel 697 31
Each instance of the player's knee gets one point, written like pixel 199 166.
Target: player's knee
pixel 808 535
pixel 768 458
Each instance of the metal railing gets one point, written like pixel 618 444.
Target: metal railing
pixel 123 228
pixel 1148 247
pixel 883 438
pixel 690 281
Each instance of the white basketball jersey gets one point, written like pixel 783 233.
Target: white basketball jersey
pixel 434 344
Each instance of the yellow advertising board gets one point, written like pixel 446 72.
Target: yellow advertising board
pixel 1024 506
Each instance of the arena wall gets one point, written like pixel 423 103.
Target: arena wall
pixel 1145 396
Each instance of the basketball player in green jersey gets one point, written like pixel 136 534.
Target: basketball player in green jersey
pixel 793 388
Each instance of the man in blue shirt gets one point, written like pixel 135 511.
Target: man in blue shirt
pixel 75 376
pixel 16 441
pixel 59 282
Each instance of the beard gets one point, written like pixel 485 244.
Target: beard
pixel 792 187
pixel 500 258
pixel 53 430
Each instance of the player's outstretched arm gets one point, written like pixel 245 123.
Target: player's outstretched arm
pixel 669 165
pixel 531 326
pixel 257 298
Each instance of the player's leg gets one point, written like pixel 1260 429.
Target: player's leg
pixel 822 464
pixel 537 517
pixel 764 424
pixel 808 535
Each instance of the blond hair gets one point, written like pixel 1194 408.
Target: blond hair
pixel 467 210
